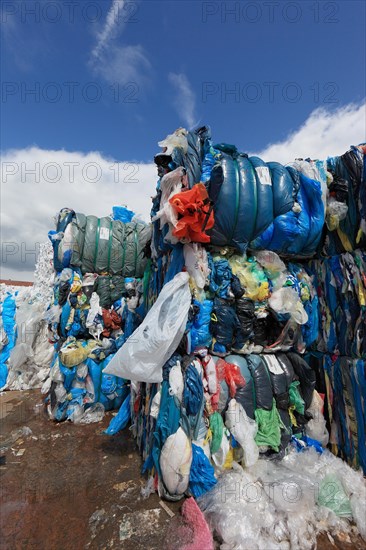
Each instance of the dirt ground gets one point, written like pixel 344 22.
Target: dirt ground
pixel 71 487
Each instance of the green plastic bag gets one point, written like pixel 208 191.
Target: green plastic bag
pixel 332 496
pixel 217 429
pixel 295 397
pixel 269 428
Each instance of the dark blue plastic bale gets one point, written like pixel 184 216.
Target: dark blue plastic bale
pixel 248 204
pixel 264 195
pixel 248 194
pixel 262 382
pixel 284 188
pixel 226 177
pixel 287 367
pixel 306 377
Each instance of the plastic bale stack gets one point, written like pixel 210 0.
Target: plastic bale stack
pixel 96 305
pixel 217 369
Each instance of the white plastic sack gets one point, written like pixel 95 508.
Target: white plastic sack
pixel 195 258
pixel 177 139
pixel 210 373
pixel 176 381
pixel 316 427
pixel 286 300
pixel 155 405
pixel 155 340
pixel 175 462
pixel 95 327
pixel 244 429
pixel 170 185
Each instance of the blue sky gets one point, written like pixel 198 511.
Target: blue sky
pixel 95 84
pixel 174 63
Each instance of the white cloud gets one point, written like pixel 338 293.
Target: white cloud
pixel 184 100
pixel 324 133
pixel 125 65
pixel 92 185
pixel 109 29
pixel 117 62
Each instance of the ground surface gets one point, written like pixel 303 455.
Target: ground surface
pixel 70 487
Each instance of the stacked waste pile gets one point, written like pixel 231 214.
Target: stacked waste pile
pixel 26 352
pixel 236 304
pixel 218 380
pixel 98 265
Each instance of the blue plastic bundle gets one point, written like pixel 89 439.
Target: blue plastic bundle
pixel 193 391
pixel 122 214
pixel 200 331
pixel 8 317
pixel 248 194
pixel 202 475
pixel 298 231
pixel 120 421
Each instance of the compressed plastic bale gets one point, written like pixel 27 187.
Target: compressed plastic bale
pixel 265 213
pixel 225 176
pixel 244 430
pixel 103 245
pixel 262 382
pixel 128 247
pixel 260 192
pixel 175 462
pixel 245 395
pixel 144 353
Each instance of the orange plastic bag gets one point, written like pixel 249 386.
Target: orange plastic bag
pixel 233 376
pixel 193 206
